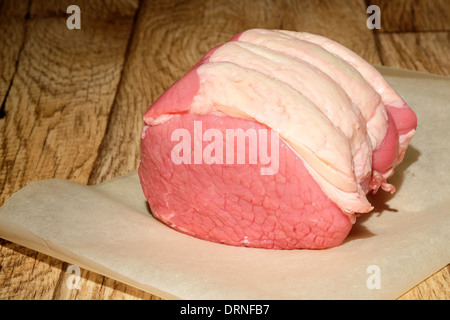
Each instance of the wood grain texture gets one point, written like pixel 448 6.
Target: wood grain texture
pixel 60 94
pixel 27 274
pixel 74 100
pixel 426 52
pixel 12 34
pixel 436 287
pixel 413 15
pixel 345 24
pixel 58 104
pixel 110 11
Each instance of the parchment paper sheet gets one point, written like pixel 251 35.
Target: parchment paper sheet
pixel 108 229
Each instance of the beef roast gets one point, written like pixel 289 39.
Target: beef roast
pixel 273 140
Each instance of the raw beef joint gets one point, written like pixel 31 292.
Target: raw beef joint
pixel 273 140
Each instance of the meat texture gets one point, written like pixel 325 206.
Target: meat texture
pixel 273 140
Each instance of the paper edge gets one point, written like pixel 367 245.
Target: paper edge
pixel 56 251
pixel 405 73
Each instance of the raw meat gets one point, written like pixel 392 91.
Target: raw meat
pixel 273 140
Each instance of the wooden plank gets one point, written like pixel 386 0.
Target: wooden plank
pixel 56 113
pixel 426 52
pixel 413 15
pixel 12 32
pixel 93 286
pixel 26 274
pixel 436 287
pixel 110 11
pixel 58 105
pixel 344 23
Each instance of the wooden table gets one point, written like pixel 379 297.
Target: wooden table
pixel 72 100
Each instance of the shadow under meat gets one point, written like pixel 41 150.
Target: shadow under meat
pixel 380 200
